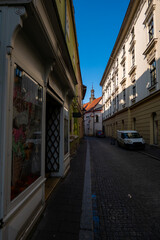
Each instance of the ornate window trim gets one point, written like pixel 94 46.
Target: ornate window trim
pixel 149 12
pixel 133 69
pixel 132 44
pixel 150 50
pixel 123 80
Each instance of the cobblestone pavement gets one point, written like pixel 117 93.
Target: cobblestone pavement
pixel 125 193
pixel 61 218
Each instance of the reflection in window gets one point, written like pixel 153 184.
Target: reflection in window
pixel 26 135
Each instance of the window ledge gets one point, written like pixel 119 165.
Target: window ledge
pixel 123 80
pixel 133 99
pixel 123 59
pixel 116 88
pixel 150 46
pixel 123 105
pixel 116 69
pixel 133 68
pixel 152 88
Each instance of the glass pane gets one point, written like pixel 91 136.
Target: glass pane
pixel 27 127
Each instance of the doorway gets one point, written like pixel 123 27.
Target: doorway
pixel 52 136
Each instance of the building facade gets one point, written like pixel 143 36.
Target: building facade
pixel 131 80
pixel 66 13
pixel 39 72
pixel 93 115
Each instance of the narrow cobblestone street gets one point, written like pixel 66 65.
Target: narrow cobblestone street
pixel 123 187
pixel 125 190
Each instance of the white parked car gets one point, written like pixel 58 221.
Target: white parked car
pixel 130 139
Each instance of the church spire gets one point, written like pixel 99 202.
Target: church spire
pixel 92 94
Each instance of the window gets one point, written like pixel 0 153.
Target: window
pixel 117 80
pixel 155 128
pixel 134 91
pixel 133 57
pixel 114 105
pixel 117 62
pixel 124 70
pixel 26 132
pixel 97 119
pixel 122 124
pixel 124 95
pixel 134 123
pixel 123 51
pixel 151 30
pixel 149 2
pixel 132 34
pixel 117 101
pixel 153 72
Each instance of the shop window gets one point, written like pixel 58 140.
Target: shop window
pixel 27 132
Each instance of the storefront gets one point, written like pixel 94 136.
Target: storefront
pixel 36 90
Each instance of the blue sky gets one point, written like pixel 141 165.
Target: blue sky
pixel 97 26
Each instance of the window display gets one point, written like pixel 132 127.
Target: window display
pixel 27 132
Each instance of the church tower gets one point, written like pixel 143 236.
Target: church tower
pixel 92 95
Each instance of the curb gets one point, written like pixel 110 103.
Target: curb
pixel 150 155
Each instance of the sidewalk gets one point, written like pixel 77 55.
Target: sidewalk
pixel 62 216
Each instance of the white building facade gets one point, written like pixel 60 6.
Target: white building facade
pixel 131 81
